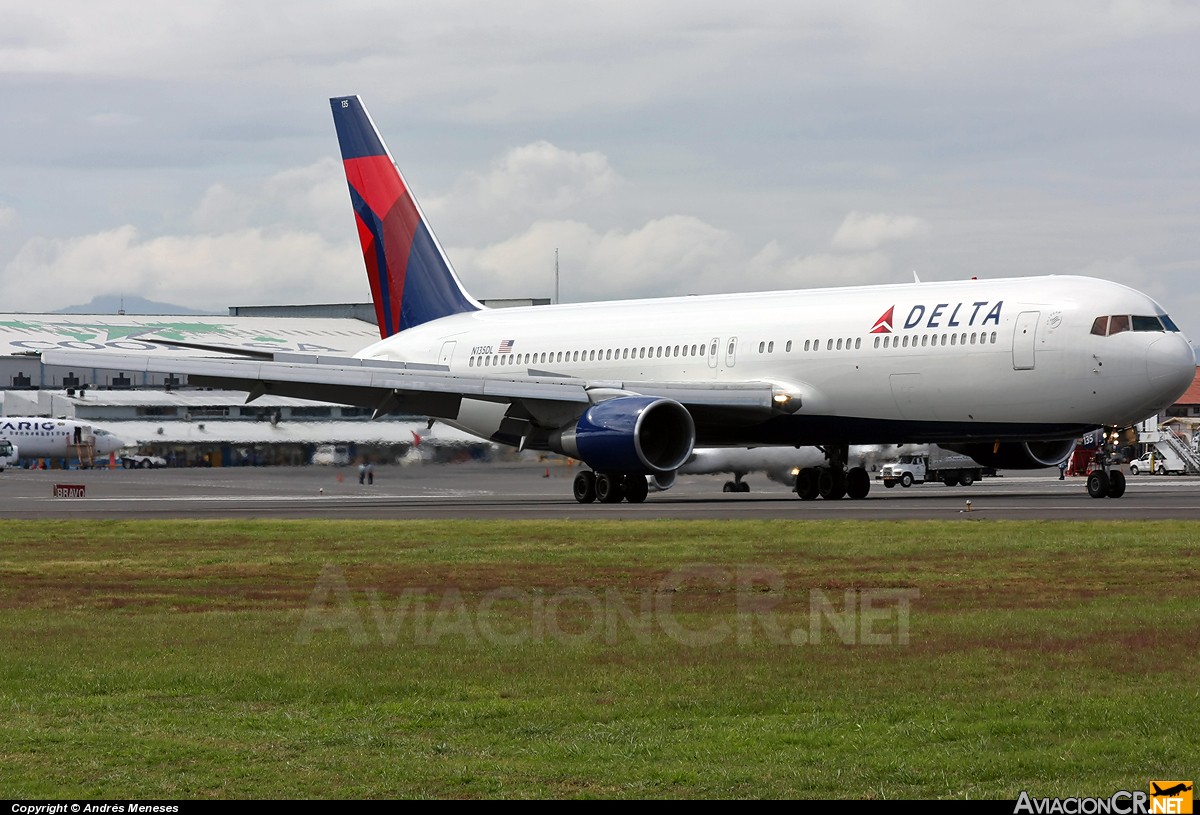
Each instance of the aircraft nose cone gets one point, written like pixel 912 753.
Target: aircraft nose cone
pixel 1170 366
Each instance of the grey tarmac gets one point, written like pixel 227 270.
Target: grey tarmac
pixel 542 490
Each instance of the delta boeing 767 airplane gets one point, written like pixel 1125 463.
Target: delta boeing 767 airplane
pixel 1009 371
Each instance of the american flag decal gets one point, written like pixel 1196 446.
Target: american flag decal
pixel 506 347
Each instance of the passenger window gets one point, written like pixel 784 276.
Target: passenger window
pixel 771 347
pixel 788 347
pixel 877 342
pixel 857 343
pixel 1118 323
pixel 762 346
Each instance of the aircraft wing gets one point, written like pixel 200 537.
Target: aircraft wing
pixel 429 390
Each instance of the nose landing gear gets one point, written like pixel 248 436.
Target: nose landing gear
pixel 1106 481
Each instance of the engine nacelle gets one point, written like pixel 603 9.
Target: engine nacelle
pixel 646 435
pixel 1016 455
pixel 660 482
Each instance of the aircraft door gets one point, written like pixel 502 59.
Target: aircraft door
pixel 731 352
pixel 447 353
pixel 1024 336
pixel 712 351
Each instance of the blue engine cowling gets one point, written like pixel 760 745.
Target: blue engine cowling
pixel 646 435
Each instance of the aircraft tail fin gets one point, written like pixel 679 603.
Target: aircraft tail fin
pixel 412 281
pixel 1157 789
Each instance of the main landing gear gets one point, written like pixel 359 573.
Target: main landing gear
pixel 736 485
pixel 609 488
pixel 833 482
pixel 1106 481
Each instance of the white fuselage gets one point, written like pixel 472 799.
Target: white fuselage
pixel 40 437
pixel 1006 358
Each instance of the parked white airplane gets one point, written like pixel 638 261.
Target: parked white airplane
pixel 1009 371
pixel 40 437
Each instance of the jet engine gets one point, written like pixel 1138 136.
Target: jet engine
pixel 660 482
pixel 646 435
pixel 1016 455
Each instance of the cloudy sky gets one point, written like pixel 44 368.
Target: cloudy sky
pixel 185 152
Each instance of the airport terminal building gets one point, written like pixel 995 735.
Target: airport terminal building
pixel 164 417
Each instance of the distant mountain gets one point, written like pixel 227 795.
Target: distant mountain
pixel 115 303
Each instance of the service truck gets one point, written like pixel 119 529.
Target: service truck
pixel 935 465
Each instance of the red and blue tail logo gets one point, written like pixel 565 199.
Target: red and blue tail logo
pixel 412 282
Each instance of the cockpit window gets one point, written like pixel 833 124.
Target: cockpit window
pixel 1115 324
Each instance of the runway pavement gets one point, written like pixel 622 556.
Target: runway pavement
pixel 523 490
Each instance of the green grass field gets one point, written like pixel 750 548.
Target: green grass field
pixel 966 659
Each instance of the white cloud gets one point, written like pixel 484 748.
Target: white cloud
pixel 675 255
pixel 534 182
pixel 201 271
pixel 302 198
pixel 861 231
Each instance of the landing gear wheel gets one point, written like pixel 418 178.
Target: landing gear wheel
pixel 636 489
pixel 858 483
pixel 1097 483
pixel 806 484
pixel 584 487
pixel 1116 484
pixel 742 486
pixel 831 484
pixel 609 489
pixel 906 480
pixel 729 486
